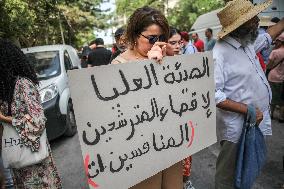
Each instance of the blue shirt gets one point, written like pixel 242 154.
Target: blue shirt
pixel 265 52
pixel 209 44
pixel 189 49
pixel 239 77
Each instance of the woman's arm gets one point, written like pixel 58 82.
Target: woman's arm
pixel 275 30
pixel 5 119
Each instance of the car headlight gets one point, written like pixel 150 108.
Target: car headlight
pixel 48 93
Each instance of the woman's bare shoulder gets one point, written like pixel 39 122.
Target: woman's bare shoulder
pixel 119 59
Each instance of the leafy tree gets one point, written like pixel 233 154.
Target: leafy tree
pixel 182 15
pixel 80 18
pixel 187 11
pixel 127 7
pixel 41 22
pixel 15 18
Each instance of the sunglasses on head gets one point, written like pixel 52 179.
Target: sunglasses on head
pixel 154 38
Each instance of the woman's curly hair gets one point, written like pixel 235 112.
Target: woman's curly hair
pixel 13 64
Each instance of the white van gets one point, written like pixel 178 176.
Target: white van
pixel 51 65
pixel 210 20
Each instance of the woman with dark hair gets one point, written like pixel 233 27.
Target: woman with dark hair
pixel 20 107
pixel 174 46
pixel 174 42
pixel 147 33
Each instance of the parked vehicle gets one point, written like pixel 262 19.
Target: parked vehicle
pixel 52 63
pixel 210 19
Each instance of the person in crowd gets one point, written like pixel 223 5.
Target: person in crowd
pixel 147 32
pixel 210 41
pixel 8 179
pixel 119 43
pixel 239 80
pixel 20 107
pixel 276 76
pixel 264 23
pixel 188 47
pixel 2 174
pixel 198 43
pixel 85 52
pixel 266 52
pixel 261 61
pixel 174 42
pixel 99 56
pixel 173 48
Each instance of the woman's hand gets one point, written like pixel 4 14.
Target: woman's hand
pixel 5 119
pixel 157 52
pixel 259 116
pixel 1 117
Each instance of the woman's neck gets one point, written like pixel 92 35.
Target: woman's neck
pixel 137 55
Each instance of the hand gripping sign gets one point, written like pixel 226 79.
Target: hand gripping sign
pixel 139 118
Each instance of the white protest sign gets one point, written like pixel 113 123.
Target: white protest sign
pixel 136 119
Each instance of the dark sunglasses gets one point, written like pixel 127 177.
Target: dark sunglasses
pixel 154 38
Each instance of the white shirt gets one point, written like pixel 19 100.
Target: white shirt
pixel 239 77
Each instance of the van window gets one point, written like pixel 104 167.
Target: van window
pixel 67 61
pixel 46 63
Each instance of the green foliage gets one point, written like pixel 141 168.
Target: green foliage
pixel 187 11
pixel 181 16
pixel 127 7
pixel 80 18
pixel 41 22
pixel 15 18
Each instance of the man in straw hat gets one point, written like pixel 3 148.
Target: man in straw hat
pixel 239 80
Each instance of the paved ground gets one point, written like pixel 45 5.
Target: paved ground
pixel 69 161
pixel 272 176
pixel 68 157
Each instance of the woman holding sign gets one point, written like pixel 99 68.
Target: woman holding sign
pixel 173 48
pixel 147 33
pixel 21 113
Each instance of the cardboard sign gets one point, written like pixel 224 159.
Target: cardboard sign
pixel 136 119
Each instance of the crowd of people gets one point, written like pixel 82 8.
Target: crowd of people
pixel 247 65
pixel 95 54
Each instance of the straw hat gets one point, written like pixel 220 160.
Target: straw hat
pixel 266 21
pixel 236 13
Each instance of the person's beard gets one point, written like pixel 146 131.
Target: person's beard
pixel 245 35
